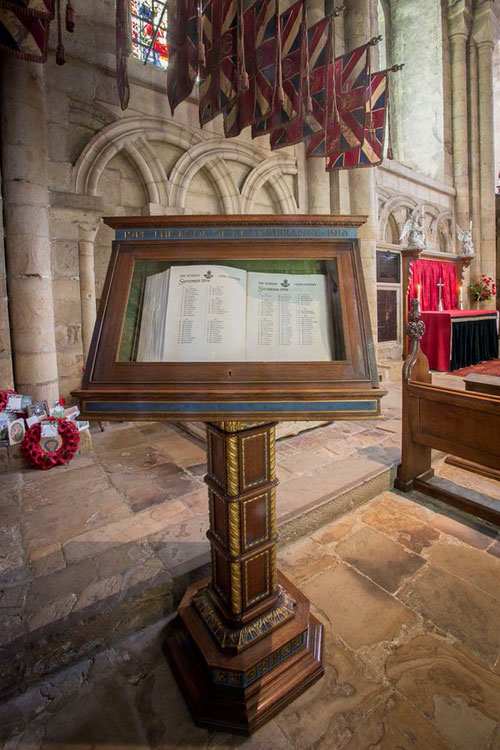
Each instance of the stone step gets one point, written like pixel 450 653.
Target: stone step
pixel 82 610
pixel 389 370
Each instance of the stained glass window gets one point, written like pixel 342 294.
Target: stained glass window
pixel 149 18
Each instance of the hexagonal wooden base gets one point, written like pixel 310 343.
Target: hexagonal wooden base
pixel 241 692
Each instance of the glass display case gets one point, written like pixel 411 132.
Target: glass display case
pixel 203 317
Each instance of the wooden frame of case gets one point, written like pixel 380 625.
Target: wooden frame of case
pixel 211 391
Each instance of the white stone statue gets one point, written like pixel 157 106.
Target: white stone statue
pixel 466 239
pixel 414 226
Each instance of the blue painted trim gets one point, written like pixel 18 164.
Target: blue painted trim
pixel 233 233
pixel 230 407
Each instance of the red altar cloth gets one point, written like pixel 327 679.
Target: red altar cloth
pixel 436 342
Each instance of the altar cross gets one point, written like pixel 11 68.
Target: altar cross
pixel 440 285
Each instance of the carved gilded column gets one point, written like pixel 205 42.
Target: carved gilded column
pixel 242 483
pixel 244 643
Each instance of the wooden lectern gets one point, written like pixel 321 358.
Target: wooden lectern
pixel 244 643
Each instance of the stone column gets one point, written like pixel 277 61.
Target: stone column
pixel 86 240
pixel 458 40
pixel 475 193
pixel 363 199
pixel 484 36
pixel 6 373
pixel 318 180
pixel 26 200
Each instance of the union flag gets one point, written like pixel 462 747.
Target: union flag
pixel 371 152
pixel 319 53
pixel 346 96
pixel 265 73
pixel 183 50
pixel 259 40
pixel 24 28
pixel 220 76
pixel 293 41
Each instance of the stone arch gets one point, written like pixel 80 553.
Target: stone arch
pixel 389 208
pixel 271 170
pixel 116 137
pixel 392 230
pixel 157 169
pixel 93 116
pixel 216 152
pixel 444 233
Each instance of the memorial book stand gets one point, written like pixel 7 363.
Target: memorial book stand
pixel 244 643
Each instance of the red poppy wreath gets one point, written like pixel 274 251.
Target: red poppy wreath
pixel 44 454
pixel 4 397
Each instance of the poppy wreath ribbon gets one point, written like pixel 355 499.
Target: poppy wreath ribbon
pixel 40 459
pixel 4 397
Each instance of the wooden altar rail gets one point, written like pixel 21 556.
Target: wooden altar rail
pixel 462 423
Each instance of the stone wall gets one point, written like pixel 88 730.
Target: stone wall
pixel 400 191
pixel 496 99
pixel 102 161
pixel 418 90
pixel 6 373
pixel 105 162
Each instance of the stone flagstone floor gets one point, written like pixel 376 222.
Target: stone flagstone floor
pixel 409 595
pixel 120 530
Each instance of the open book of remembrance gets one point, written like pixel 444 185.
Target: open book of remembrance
pixel 215 313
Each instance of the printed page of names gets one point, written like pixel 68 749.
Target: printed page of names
pixel 287 318
pixel 206 314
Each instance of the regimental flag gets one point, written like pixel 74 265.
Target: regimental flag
pixel 259 56
pixel 24 28
pixel 219 86
pixel 371 153
pixel 183 61
pixel 319 53
pixel 346 96
pixel 293 41
pixel 265 64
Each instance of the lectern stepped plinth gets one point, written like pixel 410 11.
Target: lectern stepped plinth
pixel 249 318
pixel 244 643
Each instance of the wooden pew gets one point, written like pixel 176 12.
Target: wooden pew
pixel 479 384
pixel 463 423
pixel 483 384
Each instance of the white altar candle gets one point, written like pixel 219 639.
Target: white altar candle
pixel 419 289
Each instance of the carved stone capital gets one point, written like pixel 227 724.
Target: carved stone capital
pixel 459 18
pixel 486 24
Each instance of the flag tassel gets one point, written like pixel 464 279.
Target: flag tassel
pixel 60 57
pixel 70 17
